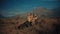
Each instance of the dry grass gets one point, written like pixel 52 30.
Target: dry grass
pixel 10 26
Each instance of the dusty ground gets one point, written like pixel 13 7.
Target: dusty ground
pixel 44 26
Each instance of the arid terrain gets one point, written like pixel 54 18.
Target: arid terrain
pixel 44 25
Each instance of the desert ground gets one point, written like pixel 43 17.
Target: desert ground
pixel 44 25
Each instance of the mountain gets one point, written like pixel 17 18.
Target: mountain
pixel 42 12
pixel 56 12
pixel 1 16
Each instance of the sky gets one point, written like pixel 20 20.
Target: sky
pixel 10 8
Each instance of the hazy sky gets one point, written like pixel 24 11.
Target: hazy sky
pixel 12 7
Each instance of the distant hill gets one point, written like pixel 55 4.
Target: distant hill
pixel 42 12
pixel 56 12
pixel 1 16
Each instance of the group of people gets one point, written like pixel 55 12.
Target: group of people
pixel 31 19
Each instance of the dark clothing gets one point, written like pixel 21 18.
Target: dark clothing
pixel 25 25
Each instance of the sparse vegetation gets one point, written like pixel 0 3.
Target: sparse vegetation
pixel 43 25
